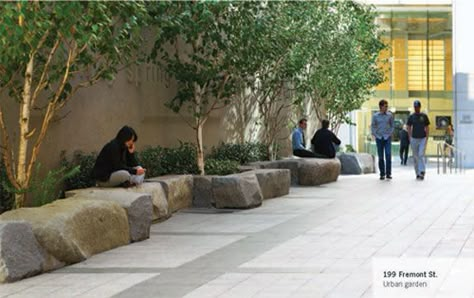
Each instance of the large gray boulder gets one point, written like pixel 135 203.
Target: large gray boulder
pixel 178 190
pixel 317 171
pixel 273 182
pixel 139 207
pixel 237 191
pixel 202 191
pixel 73 230
pixel 161 209
pixel 356 163
pixel 20 254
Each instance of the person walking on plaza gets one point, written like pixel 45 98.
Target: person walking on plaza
pixel 298 140
pixel 418 131
pixel 448 142
pixel 324 141
pixel 404 145
pixel 382 129
pixel 116 164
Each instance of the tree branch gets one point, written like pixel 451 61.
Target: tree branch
pixel 44 128
pixel 71 57
pixel 45 71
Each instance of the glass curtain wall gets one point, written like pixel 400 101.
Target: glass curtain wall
pixel 417 65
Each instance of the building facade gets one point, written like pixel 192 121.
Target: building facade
pixel 429 58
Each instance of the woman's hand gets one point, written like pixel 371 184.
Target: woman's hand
pixel 140 171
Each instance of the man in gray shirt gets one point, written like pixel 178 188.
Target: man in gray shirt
pixel 382 128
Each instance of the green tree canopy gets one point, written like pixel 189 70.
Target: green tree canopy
pixel 343 70
pixel 205 46
pixel 48 50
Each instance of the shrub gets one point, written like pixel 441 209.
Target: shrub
pixel 46 190
pixel 150 158
pixel 221 167
pixel 43 190
pixel 164 161
pixel 6 195
pixel 181 160
pixel 83 178
pixel 241 153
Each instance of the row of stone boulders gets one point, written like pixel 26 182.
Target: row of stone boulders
pixel 93 220
pixel 88 221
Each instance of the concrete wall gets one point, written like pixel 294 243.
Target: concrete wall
pixel 463 45
pixel 136 98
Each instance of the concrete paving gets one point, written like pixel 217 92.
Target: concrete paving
pixel 327 241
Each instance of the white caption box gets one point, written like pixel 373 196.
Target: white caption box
pixel 423 277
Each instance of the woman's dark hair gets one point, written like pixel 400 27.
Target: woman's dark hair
pixel 126 133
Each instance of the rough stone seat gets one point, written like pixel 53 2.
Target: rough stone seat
pixel 68 231
pixel 124 196
pixel 272 183
pixel 20 253
pixel 178 190
pixel 306 171
pixel 139 207
pixel 236 191
pixel 356 163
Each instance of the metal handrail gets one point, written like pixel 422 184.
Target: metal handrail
pixel 455 160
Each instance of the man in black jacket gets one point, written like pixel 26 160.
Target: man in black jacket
pixel 116 164
pixel 324 141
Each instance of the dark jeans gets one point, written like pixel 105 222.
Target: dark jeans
pixel 404 154
pixel 384 149
pixel 303 153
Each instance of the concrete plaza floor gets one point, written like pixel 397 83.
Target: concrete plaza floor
pixel 314 242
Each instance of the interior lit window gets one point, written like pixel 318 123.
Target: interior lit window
pixel 421 69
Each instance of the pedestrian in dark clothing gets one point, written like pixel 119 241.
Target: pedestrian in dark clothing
pixel 418 129
pixel 404 145
pixel 116 164
pixel 324 141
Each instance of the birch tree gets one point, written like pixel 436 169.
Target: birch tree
pixel 48 51
pixel 205 46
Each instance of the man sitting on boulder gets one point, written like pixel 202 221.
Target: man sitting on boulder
pixel 324 141
pixel 298 141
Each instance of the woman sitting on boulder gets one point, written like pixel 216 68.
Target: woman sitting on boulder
pixel 116 164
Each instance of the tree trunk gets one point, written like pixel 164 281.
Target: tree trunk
pixel 22 177
pixel 199 147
